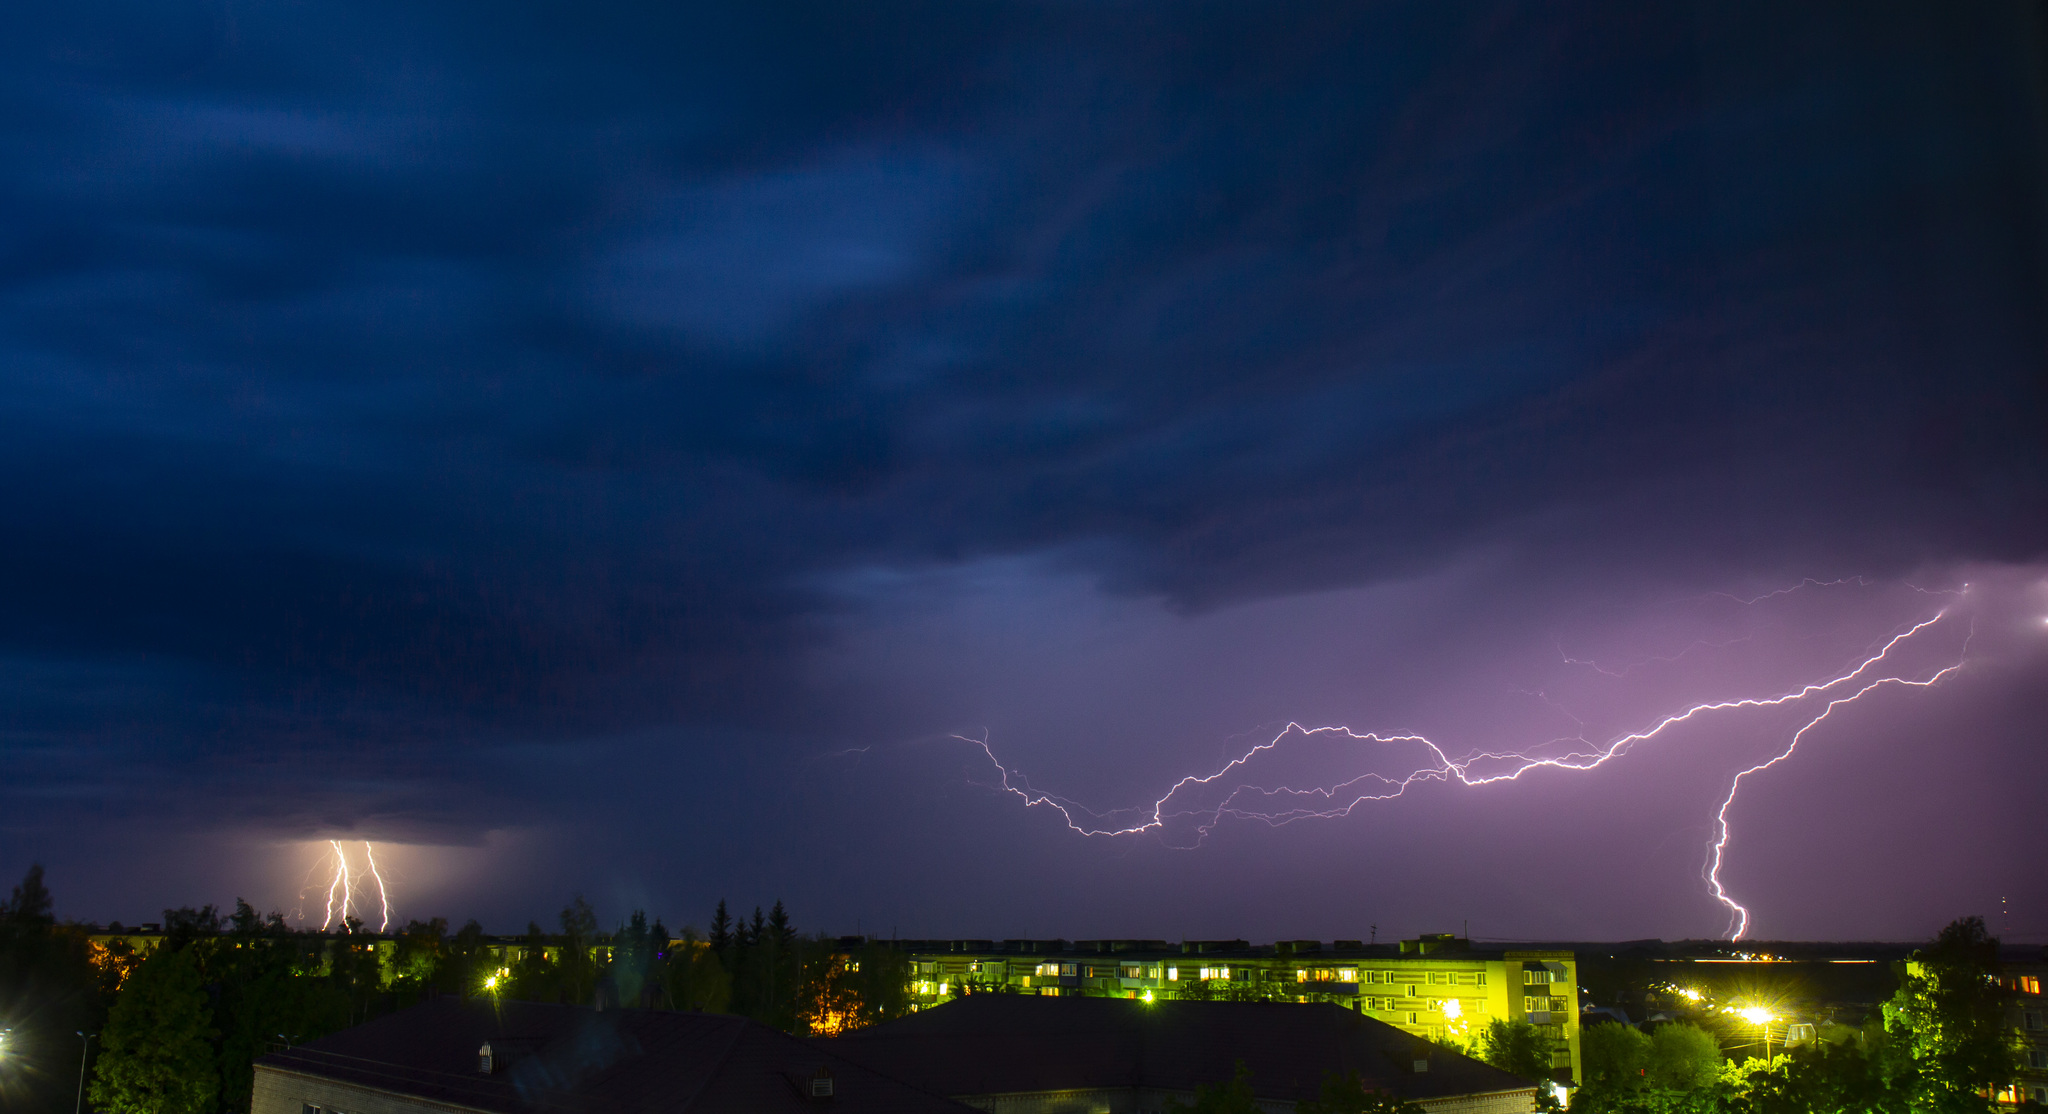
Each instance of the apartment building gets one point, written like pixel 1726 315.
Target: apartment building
pixel 1435 987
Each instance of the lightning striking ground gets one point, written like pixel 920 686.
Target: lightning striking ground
pixel 343 884
pixel 1284 805
pixel 383 898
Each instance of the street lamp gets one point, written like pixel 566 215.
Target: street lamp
pixel 1761 1018
pixel 84 1047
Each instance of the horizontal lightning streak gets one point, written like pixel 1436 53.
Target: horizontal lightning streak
pixel 1244 801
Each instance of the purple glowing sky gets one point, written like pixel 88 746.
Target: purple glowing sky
pixel 625 448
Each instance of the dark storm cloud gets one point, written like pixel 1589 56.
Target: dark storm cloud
pixel 389 386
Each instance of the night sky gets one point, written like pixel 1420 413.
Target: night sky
pixel 621 448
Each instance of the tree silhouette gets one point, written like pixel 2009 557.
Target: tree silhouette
pixel 158 1057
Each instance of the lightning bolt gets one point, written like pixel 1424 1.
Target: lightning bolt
pixel 342 886
pixel 1286 805
pixel 341 882
pixel 1739 924
pixel 383 898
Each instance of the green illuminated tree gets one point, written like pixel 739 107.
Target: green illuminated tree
pixel 1683 1057
pixel 158 1056
pixel 1823 1079
pixel 1949 1022
pixel 1615 1057
pixel 1518 1047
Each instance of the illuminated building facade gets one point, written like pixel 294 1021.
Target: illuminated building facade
pixel 1435 987
pixel 2030 1020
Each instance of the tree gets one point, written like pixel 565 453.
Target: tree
pixel 697 979
pixel 635 952
pixel 417 957
pixel 721 930
pixel 882 982
pixel 1949 1018
pixel 1234 1097
pixel 534 978
pixel 30 906
pixel 464 972
pixel 158 1056
pixel 53 983
pixel 1518 1047
pixel 1614 1057
pixel 1823 1078
pixel 1344 1094
pixel 828 998
pixel 577 966
pixel 1683 1057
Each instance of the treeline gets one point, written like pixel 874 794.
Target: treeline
pixel 1944 1044
pixel 176 1029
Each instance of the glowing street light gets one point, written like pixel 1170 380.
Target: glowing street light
pixel 1760 1017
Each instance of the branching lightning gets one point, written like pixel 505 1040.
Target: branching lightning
pixel 343 883
pixel 1284 805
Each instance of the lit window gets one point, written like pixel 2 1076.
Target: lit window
pixel 1173 974
pixel 1049 970
pixel 1348 974
pixel 1068 970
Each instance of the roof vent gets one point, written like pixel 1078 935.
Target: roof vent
pixel 821 1084
pixel 483 1059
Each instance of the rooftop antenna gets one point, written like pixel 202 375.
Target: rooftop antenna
pixel 1375 934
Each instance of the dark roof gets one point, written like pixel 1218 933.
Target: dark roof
pixel 989 1044
pixel 571 1059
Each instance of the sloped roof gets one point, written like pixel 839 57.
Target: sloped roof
pixel 572 1060
pixel 990 1044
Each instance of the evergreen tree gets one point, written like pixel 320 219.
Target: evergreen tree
pixel 158 1056
pixel 631 973
pixel 721 931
